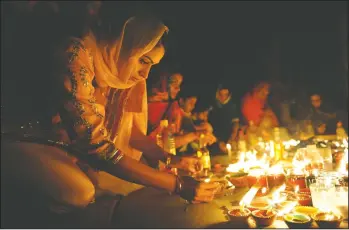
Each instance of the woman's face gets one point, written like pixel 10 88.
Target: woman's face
pixel 149 59
pixel 175 85
pixel 223 95
pixel 189 104
pixel 263 92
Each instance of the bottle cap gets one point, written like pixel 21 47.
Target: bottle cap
pixel 164 123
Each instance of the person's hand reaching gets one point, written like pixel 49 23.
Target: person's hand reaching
pixel 188 163
pixel 197 192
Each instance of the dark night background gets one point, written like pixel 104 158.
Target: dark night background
pixel 300 46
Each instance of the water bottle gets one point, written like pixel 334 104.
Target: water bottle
pixel 169 146
pixel 160 134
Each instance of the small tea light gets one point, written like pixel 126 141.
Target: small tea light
pixel 238 214
pixel 228 146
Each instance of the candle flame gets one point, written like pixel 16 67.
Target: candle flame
pixel 296 189
pixel 272 151
pixel 276 195
pixel 287 208
pixel 343 162
pixel 228 146
pixel 246 200
pixel 264 190
pixel 276 169
pixel 207 180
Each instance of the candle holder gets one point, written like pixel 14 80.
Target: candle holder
pixel 238 215
pixel 264 218
pixel 297 221
pixel 296 180
pixel 304 199
pixel 327 220
pixel 276 180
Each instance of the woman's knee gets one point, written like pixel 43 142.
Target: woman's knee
pixel 48 169
pixel 78 195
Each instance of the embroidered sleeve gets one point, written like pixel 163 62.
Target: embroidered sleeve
pixel 82 116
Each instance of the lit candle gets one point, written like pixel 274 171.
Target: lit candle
pixel 272 149
pixel 248 197
pixel 228 146
pixel 296 189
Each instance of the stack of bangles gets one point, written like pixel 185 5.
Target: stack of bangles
pixel 116 156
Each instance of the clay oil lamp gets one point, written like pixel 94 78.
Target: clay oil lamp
pixel 264 218
pixel 297 221
pixel 296 178
pixel 327 219
pixel 304 200
pixel 238 215
pixel 276 176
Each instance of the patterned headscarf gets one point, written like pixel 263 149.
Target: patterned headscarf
pixel 114 66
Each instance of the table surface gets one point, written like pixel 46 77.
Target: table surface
pixel 152 208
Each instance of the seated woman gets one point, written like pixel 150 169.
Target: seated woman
pixel 187 103
pixel 255 107
pixel 100 89
pixel 200 117
pixel 224 117
pixel 163 105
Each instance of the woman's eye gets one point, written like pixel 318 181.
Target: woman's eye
pixel 142 61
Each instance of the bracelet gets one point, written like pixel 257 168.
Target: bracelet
pixel 117 157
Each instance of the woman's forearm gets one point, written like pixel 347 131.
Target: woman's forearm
pixel 131 170
pixel 185 139
pixel 149 148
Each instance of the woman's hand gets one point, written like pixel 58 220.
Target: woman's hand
pixel 222 146
pixel 159 96
pixel 189 164
pixel 210 138
pixel 197 192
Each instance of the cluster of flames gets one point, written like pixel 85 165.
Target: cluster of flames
pixel 248 160
pixel 343 164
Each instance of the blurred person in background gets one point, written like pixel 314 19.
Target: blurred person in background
pixel 187 103
pixel 224 118
pixel 163 104
pixel 255 105
pixel 322 118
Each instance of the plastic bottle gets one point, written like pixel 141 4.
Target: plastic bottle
pixel 340 132
pixel 160 135
pixel 204 154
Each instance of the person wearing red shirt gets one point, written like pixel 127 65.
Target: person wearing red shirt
pixel 255 107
